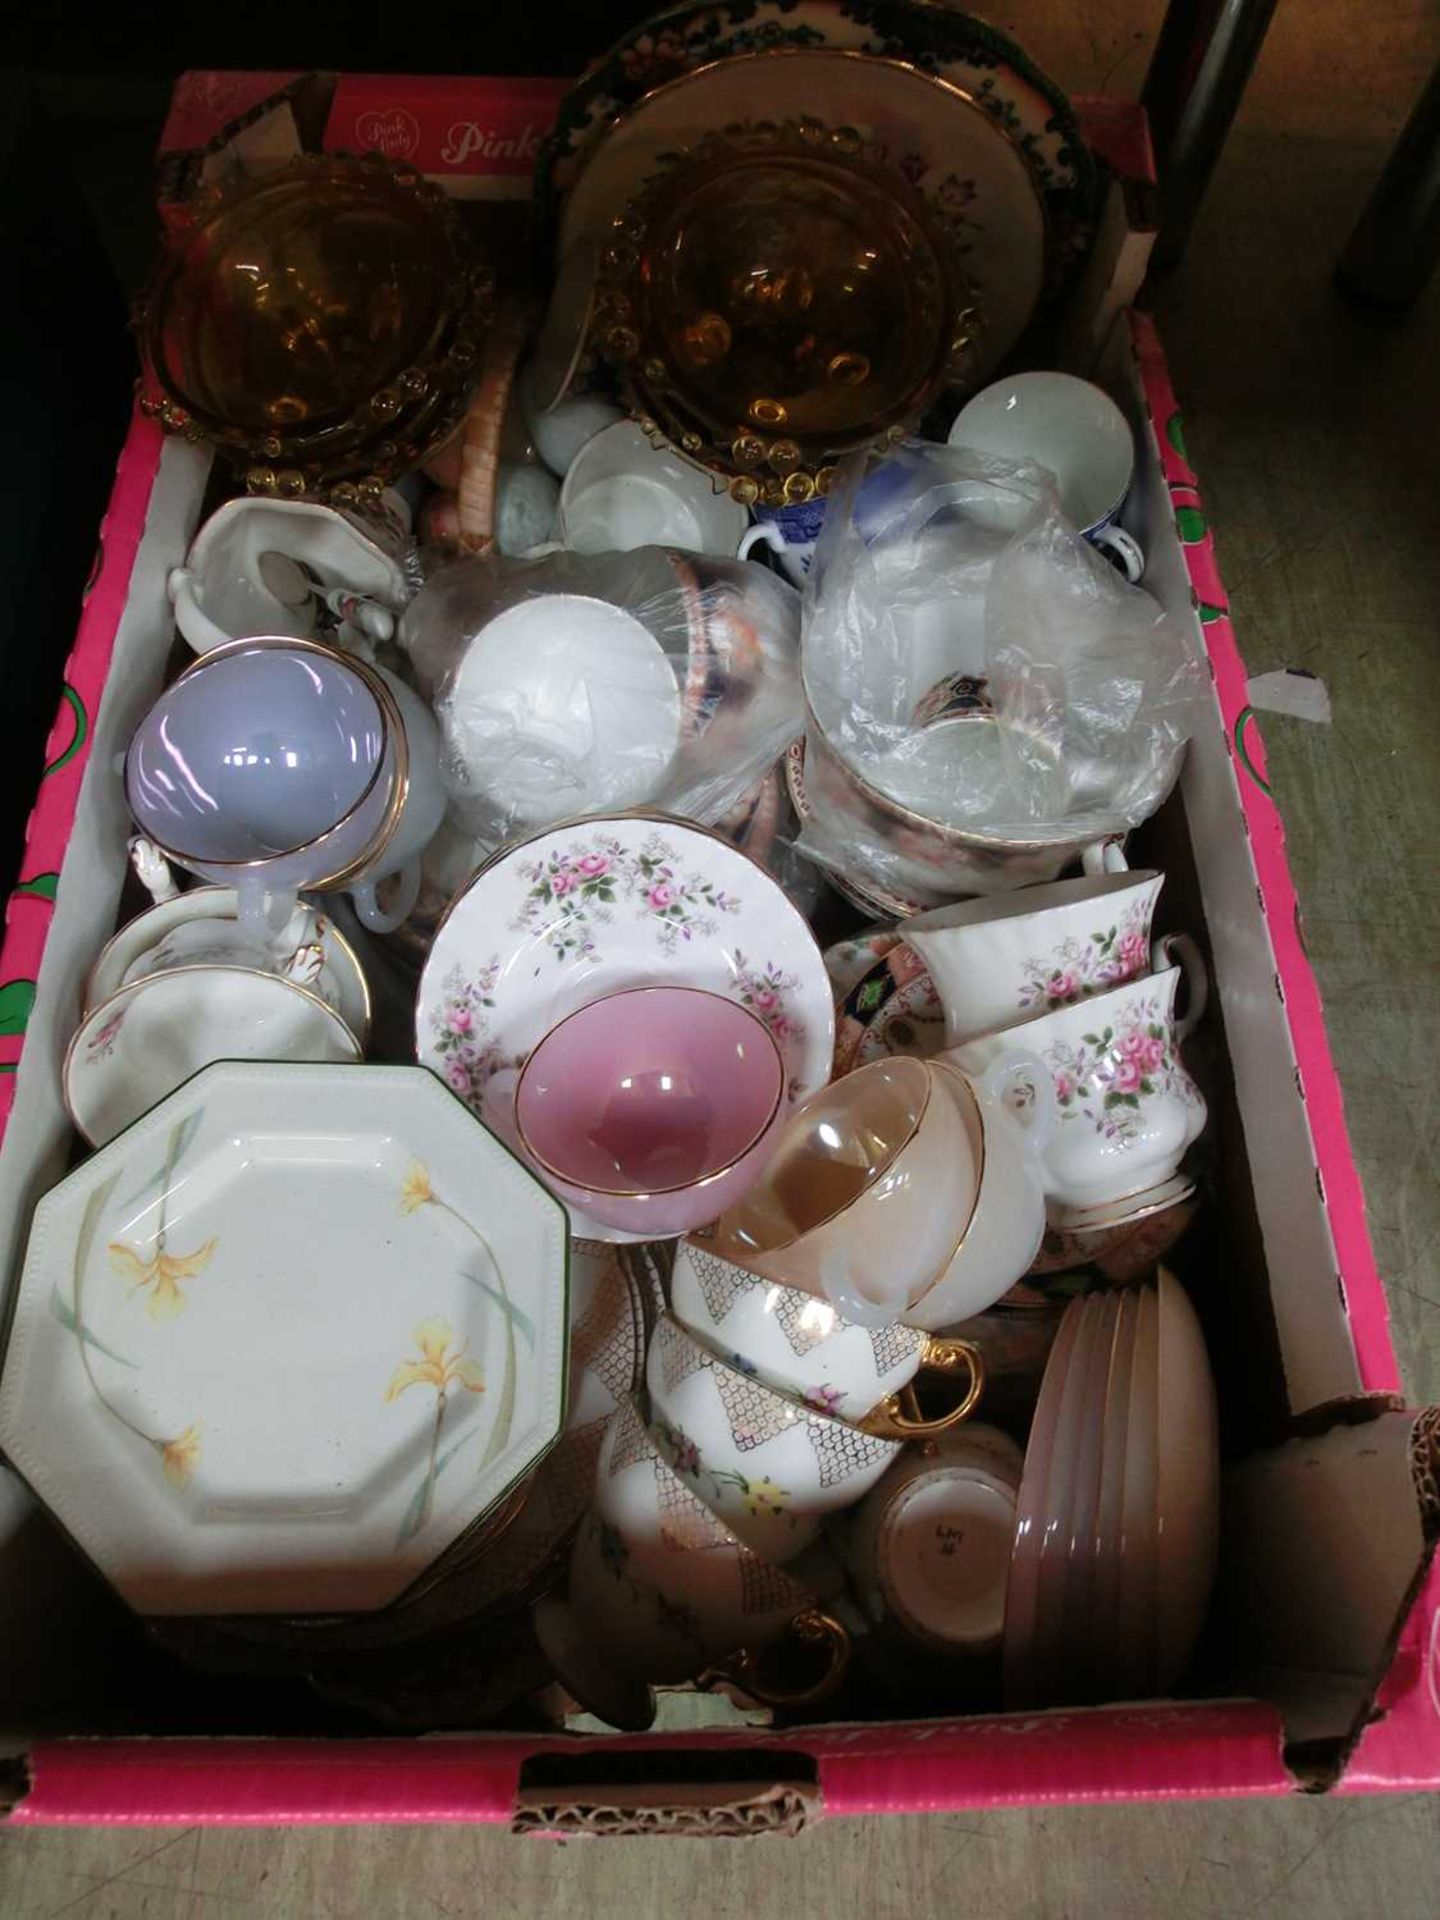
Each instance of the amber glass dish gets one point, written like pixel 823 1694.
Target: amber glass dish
pixel 779 297
pixel 320 325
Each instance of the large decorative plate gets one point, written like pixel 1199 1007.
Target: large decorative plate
pixel 283 1340
pixel 848 961
pixel 970 54
pixel 933 134
pixel 601 904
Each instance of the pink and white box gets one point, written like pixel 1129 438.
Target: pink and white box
pixel 1324 1668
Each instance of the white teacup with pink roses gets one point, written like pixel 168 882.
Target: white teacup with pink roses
pixel 1126 1109
pixel 1003 962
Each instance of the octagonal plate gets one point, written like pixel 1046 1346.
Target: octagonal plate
pixel 285 1338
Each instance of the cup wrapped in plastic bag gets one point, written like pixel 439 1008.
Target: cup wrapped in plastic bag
pixel 573 683
pixel 985 695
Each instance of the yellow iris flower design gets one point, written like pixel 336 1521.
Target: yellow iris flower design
pixel 161 1275
pixel 181 1455
pixel 437 1366
pixel 415 1189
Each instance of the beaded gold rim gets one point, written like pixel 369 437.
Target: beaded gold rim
pixel 764 464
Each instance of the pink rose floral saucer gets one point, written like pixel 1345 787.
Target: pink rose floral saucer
pixel 592 907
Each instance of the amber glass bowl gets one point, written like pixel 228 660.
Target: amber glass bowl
pixel 780 297
pixel 792 294
pixel 320 324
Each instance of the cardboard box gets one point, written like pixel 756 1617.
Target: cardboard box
pixel 1322 1663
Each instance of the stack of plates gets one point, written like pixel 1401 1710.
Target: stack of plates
pixel 294 1343
pixel 492 1567
pixel 1117 1522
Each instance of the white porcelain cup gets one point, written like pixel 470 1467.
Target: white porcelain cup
pixel 620 491
pixel 661 1590
pixel 929 1547
pixel 1007 1226
pixel 150 1037
pixel 562 704
pixel 801 1346
pixel 771 1467
pixel 1076 431
pixel 1126 1109
pixel 527 500
pixel 1002 962
pixel 202 927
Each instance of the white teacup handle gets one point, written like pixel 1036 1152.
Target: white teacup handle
pixel 1006 1080
pixel 152 870
pixel 761 534
pixel 199 630
pixel 1179 950
pixel 1104 856
pixel 379 919
pixel 1124 549
pixel 1012 1074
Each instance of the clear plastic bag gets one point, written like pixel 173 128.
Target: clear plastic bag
pixel 572 682
pixel 980 677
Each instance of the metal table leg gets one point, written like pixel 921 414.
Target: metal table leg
pixel 1396 243
pixel 1202 61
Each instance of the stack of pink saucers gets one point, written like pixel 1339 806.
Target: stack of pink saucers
pixel 1116 1527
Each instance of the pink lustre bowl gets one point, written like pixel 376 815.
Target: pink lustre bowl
pixel 652 1109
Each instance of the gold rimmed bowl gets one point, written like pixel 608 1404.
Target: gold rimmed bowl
pixel 653 1108
pixel 929 860
pixel 867 1195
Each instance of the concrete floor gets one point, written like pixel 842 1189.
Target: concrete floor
pixel 1315 433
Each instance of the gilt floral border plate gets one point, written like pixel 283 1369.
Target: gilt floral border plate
pixel 848 961
pixel 601 904
pixel 967 53
pixel 286 1338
